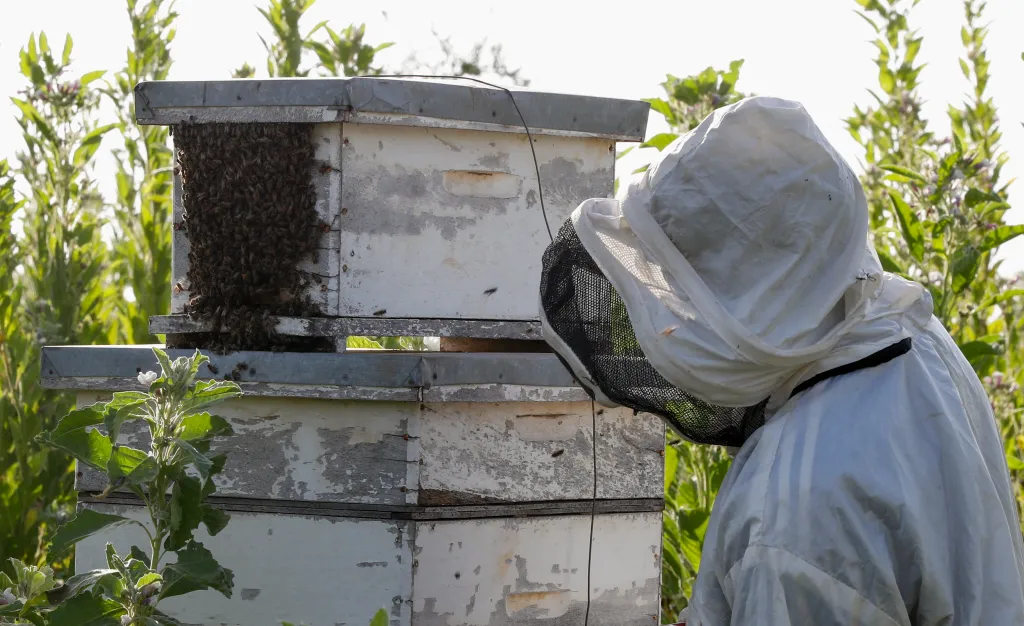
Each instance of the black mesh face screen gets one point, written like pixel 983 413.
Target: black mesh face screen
pixel 586 312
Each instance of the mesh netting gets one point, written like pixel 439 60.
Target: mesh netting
pixel 584 310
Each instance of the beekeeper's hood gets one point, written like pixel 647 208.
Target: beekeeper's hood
pixel 736 267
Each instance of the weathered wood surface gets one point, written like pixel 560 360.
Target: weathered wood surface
pixel 406 512
pixel 428 454
pixel 368 326
pixel 448 223
pixel 487 572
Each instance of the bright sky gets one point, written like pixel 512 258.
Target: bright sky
pixel 813 51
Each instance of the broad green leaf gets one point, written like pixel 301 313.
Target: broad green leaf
pixel 83 525
pixel 641 169
pixel 195 457
pixel 214 519
pixel 1014 463
pixel 977 196
pixel 120 411
pixel 362 343
pixel 91 77
pixel 32 580
pixel 886 80
pixel 186 511
pixel 196 569
pixel 888 264
pixel 671 466
pixel 86 609
pixel 218 462
pixel 975 350
pixel 90 447
pixel 147 579
pixel 380 619
pixel 660 106
pixel 913 232
pixel 135 466
pixel 964 267
pixel 904 171
pixel 77 584
pixel 660 141
pixel 207 393
pixel 78 419
pixel 203 426
pixel 1000 235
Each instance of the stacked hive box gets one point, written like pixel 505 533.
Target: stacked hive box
pixel 450 488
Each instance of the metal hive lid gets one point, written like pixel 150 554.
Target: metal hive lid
pixel 408 102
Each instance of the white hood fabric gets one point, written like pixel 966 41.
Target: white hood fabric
pixel 875 497
pixel 742 257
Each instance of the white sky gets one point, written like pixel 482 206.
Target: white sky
pixel 813 51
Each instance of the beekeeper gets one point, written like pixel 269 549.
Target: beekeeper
pixel 732 290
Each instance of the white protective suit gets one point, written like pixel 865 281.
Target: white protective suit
pixel 880 496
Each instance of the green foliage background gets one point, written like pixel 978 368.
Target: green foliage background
pixel 936 197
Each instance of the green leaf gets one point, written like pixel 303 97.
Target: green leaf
pixel 186 511
pixel 964 267
pixel 135 466
pixel 1002 297
pixel 207 393
pixel 977 196
pixel 91 77
pixel 905 171
pixel 641 169
pixel 975 350
pixel 215 519
pixel 913 232
pixel 660 106
pixel 86 523
pixel 65 56
pixel 77 584
pixel 888 263
pixel 87 609
pixel 195 457
pixel 1014 463
pixel 147 579
pixel 380 619
pixel 196 569
pixel 202 427
pixel 660 141
pixel 1000 235
pixel 217 467
pixel 362 343
pixel 89 144
pixel 886 80
pixel 120 411
pixel 90 447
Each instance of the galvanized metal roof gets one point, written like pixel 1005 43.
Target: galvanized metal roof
pixel 412 102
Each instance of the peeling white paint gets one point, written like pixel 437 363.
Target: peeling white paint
pixel 470 571
pixel 306 570
pixel 413 231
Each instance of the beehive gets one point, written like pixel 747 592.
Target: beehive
pixel 428 211
pixel 450 488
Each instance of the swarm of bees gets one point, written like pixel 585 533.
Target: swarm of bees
pixel 250 218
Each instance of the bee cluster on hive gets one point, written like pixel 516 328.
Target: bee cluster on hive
pixel 249 214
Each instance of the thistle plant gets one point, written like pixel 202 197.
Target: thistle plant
pixel 173 480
